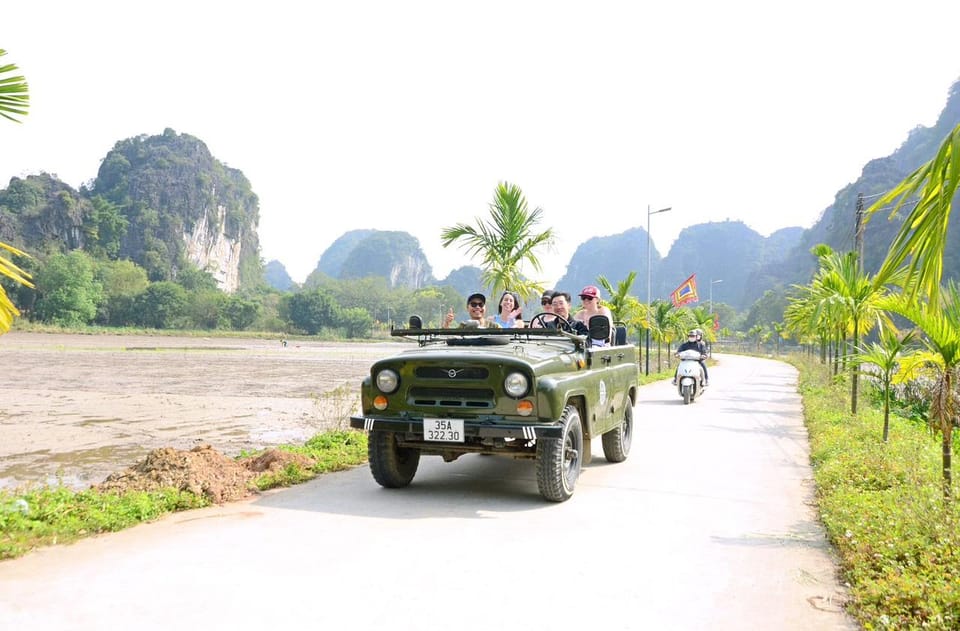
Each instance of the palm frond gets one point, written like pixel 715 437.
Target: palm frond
pixel 920 243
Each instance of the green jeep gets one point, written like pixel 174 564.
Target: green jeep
pixel 532 393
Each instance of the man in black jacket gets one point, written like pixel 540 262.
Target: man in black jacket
pixel 694 343
pixel 561 307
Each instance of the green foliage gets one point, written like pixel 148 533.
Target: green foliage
pixel 51 515
pixel 193 279
pixel 356 322
pixel 14 92
pixel 205 309
pixel 328 451
pixel 769 308
pixel 122 282
pixel 311 311
pixel 241 311
pixel 161 306
pixel 104 227
pixel 68 289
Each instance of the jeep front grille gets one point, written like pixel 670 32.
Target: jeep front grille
pixel 452 397
pixel 448 374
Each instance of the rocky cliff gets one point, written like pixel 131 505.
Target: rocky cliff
pixel 182 206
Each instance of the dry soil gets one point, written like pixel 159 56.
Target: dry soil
pixel 76 408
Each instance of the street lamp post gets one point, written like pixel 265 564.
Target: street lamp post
pixel 647 351
pixel 719 280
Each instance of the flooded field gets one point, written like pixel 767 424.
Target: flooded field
pixel 79 407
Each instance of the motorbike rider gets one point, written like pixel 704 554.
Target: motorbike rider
pixel 694 343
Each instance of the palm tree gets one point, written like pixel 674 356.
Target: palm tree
pixel 882 360
pixel 855 293
pixel 13 101
pixel 923 234
pixel 621 304
pixel 941 329
pixel 702 319
pixel 780 331
pixel 664 322
pixel 756 332
pixel 505 243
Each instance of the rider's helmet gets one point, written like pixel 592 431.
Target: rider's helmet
pixel 692 335
pixel 698 333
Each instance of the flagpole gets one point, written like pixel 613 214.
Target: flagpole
pixel 647 352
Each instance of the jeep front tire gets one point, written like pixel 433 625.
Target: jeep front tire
pixel 558 459
pixel 392 466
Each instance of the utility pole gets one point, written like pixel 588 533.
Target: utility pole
pixel 858 235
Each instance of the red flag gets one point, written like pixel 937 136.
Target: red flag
pixel 686 292
pixel 716 322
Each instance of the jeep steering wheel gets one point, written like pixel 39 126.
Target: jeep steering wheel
pixel 542 319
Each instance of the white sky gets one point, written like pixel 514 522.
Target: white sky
pixel 405 115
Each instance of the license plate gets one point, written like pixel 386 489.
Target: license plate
pixel 443 430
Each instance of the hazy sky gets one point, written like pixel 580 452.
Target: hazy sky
pixel 405 115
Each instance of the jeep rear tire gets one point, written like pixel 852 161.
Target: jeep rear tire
pixel 558 459
pixel 392 466
pixel 616 442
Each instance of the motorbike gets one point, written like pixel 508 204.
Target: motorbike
pixel 690 376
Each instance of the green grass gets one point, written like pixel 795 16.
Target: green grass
pixel 49 515
pixel 882 507
pixel 331 451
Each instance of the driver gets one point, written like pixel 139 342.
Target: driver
pixel 694 343
pixel 561 308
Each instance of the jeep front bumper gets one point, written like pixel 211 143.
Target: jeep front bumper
pixel 472 428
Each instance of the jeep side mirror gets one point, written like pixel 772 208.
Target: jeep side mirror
pixel 415 322
pixel 599 326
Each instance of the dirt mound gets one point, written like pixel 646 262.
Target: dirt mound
pixel 276 460
pixel 202 470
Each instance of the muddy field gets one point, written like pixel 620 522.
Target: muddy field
pixel 79 407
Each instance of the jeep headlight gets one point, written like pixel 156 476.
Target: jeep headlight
pixel 516 384
pixel 387 381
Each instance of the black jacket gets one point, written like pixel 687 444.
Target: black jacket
pixel 693 346
pixel 576 326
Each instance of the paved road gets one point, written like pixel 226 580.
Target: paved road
pixel 708 525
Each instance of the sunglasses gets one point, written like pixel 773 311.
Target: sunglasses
pixel 545 302
pixel 476 304
pixel 586 297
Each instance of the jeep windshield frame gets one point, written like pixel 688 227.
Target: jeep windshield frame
pixel 426 337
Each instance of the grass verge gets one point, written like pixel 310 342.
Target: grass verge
pixel 882 507
pixel 49 515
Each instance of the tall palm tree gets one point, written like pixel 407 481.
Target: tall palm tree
pixel 505 243
pixel 941 328
pixel 923 235
pixel 856 294
pixel 14 100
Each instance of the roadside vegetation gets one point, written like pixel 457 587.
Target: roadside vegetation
pixel 880 501
pixel 39 516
